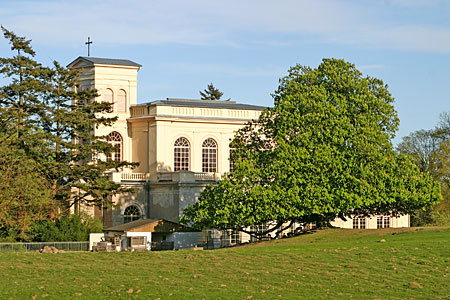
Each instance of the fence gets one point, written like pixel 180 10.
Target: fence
pixel 29 247
pixel 158 246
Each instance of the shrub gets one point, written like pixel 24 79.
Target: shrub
pixel 66 229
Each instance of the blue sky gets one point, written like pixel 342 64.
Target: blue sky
pixel 244 47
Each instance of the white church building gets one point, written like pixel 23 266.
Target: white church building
pixel 181 146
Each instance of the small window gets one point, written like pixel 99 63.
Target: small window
pixel 383 222
pixel 108 96
pixel 131 213
pixel 115 140
pixel 181 154
pixel 231 237
pixel 258 229
pixel 121 102
pixel 362 223
pixel 355 223
pixel 359 223
pixel 379 222
pixel 209 156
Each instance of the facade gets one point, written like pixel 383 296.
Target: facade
pixel 181 145
pixel 375 222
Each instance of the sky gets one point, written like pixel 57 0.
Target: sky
pixel 244 47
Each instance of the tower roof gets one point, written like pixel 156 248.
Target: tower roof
pixel 83 61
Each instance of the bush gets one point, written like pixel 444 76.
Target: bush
pixel 440 218
pixel 70 228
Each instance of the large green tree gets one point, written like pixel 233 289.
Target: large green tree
pixel 323 151
pixel 25 196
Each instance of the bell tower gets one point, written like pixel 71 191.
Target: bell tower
pixel 116 82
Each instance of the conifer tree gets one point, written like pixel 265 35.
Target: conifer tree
pixel 211 93
pixel 19 100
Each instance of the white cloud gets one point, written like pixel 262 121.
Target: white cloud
pixel 229 23
pixel 365 68
pixel 222 69
pixel 412 3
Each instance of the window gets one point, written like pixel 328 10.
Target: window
pixel 362 223
pixel 209 156
pixel 131 213
pixel 181 155
pixel 235 236
pixel 258 230
pixel 379 222
pixel 108 96
pixel 115 140
pixel 359 223
pixel 355 223
pixel 231 237
pixel 383 222
pixel 121 103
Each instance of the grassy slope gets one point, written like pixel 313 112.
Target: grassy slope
pixel 327 264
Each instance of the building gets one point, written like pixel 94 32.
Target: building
pixel 181 145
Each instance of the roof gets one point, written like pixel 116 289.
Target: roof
pixel 203 104
pixel 148 225
pixel 106 61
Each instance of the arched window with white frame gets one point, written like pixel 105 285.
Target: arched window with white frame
pixel 121 102
pixel 181 153
pixel 115 140
pixel 209 156
pixel 131 213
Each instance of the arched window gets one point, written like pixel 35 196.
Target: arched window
pixel 131 213
pixel 115 140
pixel 108 96
pixel 209 156
pixel 181 155
pixel 121 102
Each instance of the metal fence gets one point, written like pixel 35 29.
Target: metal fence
pixel 29 247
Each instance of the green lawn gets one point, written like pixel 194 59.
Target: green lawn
pixel 327 264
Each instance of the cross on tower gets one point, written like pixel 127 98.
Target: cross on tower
pixel 88 43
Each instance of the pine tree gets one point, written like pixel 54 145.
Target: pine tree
pixel 211 93
pixel 19 101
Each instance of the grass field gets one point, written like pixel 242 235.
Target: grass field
pixel 326 264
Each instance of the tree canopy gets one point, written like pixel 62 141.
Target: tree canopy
pixel 323 151
pixel 211 93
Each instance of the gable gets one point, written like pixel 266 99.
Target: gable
pixel 80 63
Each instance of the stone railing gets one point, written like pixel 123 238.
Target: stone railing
pixel 143 111
pixel 134 176
pixel 186 176
pixel 138 111
pixel 206 176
